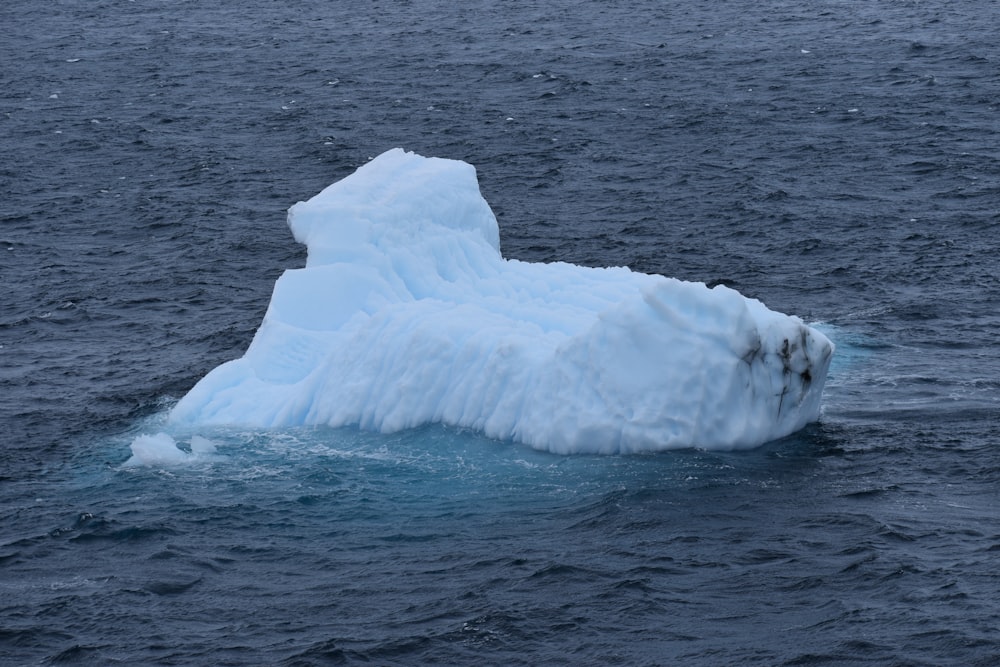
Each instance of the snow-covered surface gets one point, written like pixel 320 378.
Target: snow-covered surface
pixel 406 314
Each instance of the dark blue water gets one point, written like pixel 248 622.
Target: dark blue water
pixel 837 160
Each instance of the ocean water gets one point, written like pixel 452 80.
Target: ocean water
pixel 837 160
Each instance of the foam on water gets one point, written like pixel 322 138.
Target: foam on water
pixel 407 314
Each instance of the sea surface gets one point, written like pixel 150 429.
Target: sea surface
pixel 839 160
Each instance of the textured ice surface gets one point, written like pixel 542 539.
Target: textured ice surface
pixel 406 313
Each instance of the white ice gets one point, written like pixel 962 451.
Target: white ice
pixel 406 314
pixel 161 450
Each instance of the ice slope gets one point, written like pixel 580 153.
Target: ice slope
pixel 406 314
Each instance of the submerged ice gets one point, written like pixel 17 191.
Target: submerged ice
pixel 406 313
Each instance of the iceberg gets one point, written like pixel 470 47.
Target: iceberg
pixel 406 313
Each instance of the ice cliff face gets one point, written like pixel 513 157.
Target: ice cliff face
pixel 406 313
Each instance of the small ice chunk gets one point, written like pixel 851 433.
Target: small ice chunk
pixel 200 445
pixel 161 450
